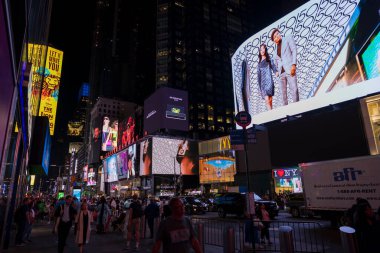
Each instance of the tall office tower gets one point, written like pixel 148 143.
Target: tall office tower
pixel 195 40
pixel 123 50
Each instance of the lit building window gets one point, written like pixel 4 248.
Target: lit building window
pixel 201 126
pixel 201 106
pixel 229 120
pixel 210 118
pixel 220 119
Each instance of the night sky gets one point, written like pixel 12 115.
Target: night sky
pixel 70 31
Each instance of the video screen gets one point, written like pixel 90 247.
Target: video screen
pixel 91 177
pixel 370 55
pixel 174 156
pixel 60 195
pixel 85 173
pixel 77 193
pixel 75 128
pixel 95 140
pixel 309 53
pixel 166 108
pixel 109 134
pixel 146 157
pixel 131 162
pixel 217 167
pixel 127 134
pixel 122 165
pixel 110 167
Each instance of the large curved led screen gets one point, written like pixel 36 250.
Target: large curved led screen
pixel 308 59
pixel 217 168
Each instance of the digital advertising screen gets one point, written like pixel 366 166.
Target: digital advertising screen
pixel 174 156
pixel 131 162
pixel 166 108
pixel 85 173
pixel 95 140
pixel 127 135
pixel 109 134
pixel 91 177
pixel 122 165
pixel 217 167
pixel 77 193
pixel 288 179
pixel 61 194
pixel 75 128
pixel 146 157
pixel 323 53
pixel 110 167
pixel 46 154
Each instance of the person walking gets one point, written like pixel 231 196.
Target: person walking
pixel 103 213
pixel 65 214
pixel 30 221
pixel 83 221
pixel 152 211
pixel 134 221
pixel 263 215
pixel 21 218
pixel 176 233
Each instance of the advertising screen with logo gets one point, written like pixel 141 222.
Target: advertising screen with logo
pixel 288 179
pixel 91 177
pixel 166 108
pixel 122 165
pixel 75 128
pixel 110 168
pixel 174 156
pixel 126 135
pixel 217 167
pixel 324 52
pixel 146 157
pixel 109 134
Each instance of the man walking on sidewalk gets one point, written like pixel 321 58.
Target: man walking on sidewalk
pixel 176 233
pixel 134 222
pixel 65 216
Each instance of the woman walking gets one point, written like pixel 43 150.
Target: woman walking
pixel 84 219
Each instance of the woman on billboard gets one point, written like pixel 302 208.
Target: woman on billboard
pixel 264 76
pixel 186 157
pixel 147 159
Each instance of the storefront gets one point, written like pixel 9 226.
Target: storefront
pixel 287 180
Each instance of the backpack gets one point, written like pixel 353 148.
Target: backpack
pixel 137 211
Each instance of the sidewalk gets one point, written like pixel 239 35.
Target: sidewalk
pixel 43 241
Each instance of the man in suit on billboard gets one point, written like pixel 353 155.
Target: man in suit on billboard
pixel 285 57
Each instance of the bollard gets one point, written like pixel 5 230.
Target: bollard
pixel 286 239
pixel 201 236
pixel 229 240
pixel 348 238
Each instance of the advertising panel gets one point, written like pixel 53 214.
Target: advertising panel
pixel 75 128
pixel 110 167
pixel 109 134
pixel 50 86
pixel 288 179
pixel 174 156
pixel 131 156
pixel 91 181
pixel 46 153
pixel 95 140
pixel 146 157
pixel 217 167
pixel 122 165
pixel 126 135
pixel 77 193
pixel 74 147
pixel 323 53
pixel 85 173
pixel 166 108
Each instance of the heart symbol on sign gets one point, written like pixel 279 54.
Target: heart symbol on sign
pixel 280 173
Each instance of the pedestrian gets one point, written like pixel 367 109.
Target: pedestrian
pixel 83 221
pixel 30 221
pixel 103 213
pixel 176 233
pixel 134 221
pixel 367 228
pixel 252 227
pixel 21 218
pixel 65 214
pixel 152 211
pixel 263 215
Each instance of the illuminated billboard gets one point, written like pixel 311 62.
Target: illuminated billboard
pixel 217 168
pixel 91 177
pixel 110 168
pixel 109 134
pixel 146 157
pixel 85 173
pixel 126 135
pixel 174 156
pixel 166 108
pixel 50 86
pixel 324 52
pixel 131 162
pixel 75 128
pixel 122 165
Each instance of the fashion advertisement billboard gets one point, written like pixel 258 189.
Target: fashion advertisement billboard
pixel 122 165
pixel 218 167
pixel 110 168
pixel 166 108
pixel 85 173
pixel 109 134
pixel 174 156
pixel 131 162
pixel 95 140
pixel 322 53
pixel 146 157
pixel 91 177
pixel 126 135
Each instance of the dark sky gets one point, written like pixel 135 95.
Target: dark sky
pixel 70 31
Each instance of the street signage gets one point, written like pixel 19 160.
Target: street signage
pixel 243 119
pixel 237 137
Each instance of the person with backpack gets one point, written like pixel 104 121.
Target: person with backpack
pixel 134 222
